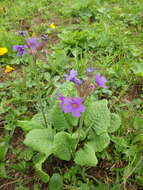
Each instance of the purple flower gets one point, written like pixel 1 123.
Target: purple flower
pixel 32 43
pixel 21 33
pixel 89 71
pixel 78 81
pixel 61 98
pixel 21 49
pixel 44 37
pixel 73 105
pixel 100 81
pixel 92 86
pixel 72 76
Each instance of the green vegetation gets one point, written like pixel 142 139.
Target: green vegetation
pixel 99 146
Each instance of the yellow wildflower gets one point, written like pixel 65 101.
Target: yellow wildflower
pixel 3 51
pixel 8 69
pixel 52 25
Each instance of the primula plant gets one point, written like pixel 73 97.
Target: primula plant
pixel 78 126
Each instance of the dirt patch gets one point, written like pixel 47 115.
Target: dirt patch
pixel 134 92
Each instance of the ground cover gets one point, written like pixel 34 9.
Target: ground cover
pixel 71 109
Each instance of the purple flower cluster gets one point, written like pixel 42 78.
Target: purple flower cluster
pixel 100 80
pixel 73 77
pixel 73 105
pixel 85 88
pixel 21 49
pixel 31 43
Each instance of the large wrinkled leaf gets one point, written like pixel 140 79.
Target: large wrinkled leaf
pixel 99 142
pixel 40 140
pixel 86 156
pixel 97 116
pixel 115 123
pixel 29 125
pixel 57 118
pixel 63 145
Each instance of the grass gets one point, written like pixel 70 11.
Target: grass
pixel 106 35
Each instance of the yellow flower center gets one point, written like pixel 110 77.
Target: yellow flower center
pixel 74 105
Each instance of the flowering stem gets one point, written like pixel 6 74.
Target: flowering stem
pixel 39 90
pixel 79 129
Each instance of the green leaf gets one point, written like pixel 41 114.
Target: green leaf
pixel 120 141
pixel 65 89
pixel 115 187
pixel 38 118
pixel 114 123
pixel 56 182
pixel 2 170
pixel 3 150
pixel 99 142
pixel 86 156
pixel 80 132
pixel 25 155
pixel 97 116
pixel 63 145
pixel 40 140
pixel 29 125
pixel 36 186
pixel 57 118
pixel 138 138
pixel 138 122
pixel 72 121
pixel 100 187
pixel 38 167
pixel 85 186
pixel 20 166
pixel 138 69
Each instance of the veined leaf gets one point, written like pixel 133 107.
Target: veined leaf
pixel 114 123
pixel 57 118
pixel 29 125
pixel 99 142
pixel 63 145
pixel 97 116
pixel 72 121
pixel 38 118
pixel 86 156
pixel 40 140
